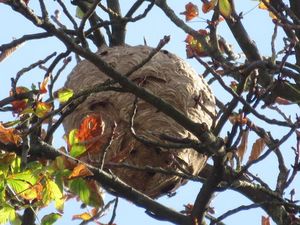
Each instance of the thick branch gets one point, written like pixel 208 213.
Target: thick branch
pixel 118 25
pixel 208 189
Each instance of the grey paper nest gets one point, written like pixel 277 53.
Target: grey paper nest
pixel 166 76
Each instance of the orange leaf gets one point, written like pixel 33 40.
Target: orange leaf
pixel 208 6
pixel 7 158
pixel 80 171
pixel 265 220
pixel 83 216
pixel 191 11
pixel 194 47
pixel 90 131
pixel 43 85
pixel 238 118
pixel 241 149
pixel 42 109
pixel 19 105
pixel 9 135
pixel 257 149
pixel 35 192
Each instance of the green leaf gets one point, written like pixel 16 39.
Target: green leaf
pixel 76 148
pixel 59 204
pixel 65 94
pixel 22 183
pixel 79 13
pixel 225 8
pixel 18 186
pixel 4 169
pixel 36 168
pixel 16 221
pixel 11 123
pixel 79 187
pixel 27 111
pixel 7 213
pixel 50 218
pixel 26 176
pixel 2 190
pixel 33 87
pixel 16 165
pixel 96 198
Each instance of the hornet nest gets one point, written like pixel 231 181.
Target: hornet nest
pixel 166 76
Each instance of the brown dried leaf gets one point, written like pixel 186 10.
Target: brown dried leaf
pixel 257 149
pixel 9 135
pixel 208 6
pixel 282 101
pixel 80 171
pixel 265 220
pixel 241 149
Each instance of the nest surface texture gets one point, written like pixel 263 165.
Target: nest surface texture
pixel 166 76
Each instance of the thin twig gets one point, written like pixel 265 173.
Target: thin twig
pixel 114 213
pixel 107 145
pixel 67 13
pixel 26 69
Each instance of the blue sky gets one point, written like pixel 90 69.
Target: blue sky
pixel 153 28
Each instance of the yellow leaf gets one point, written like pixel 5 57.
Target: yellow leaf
pixel 64 94
pixel 257 149
pixel 241 149
pixel 51 192
pixel 42 109
pixel 83 216
pixel 262 5
pixel 225 8
pixel 80 171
